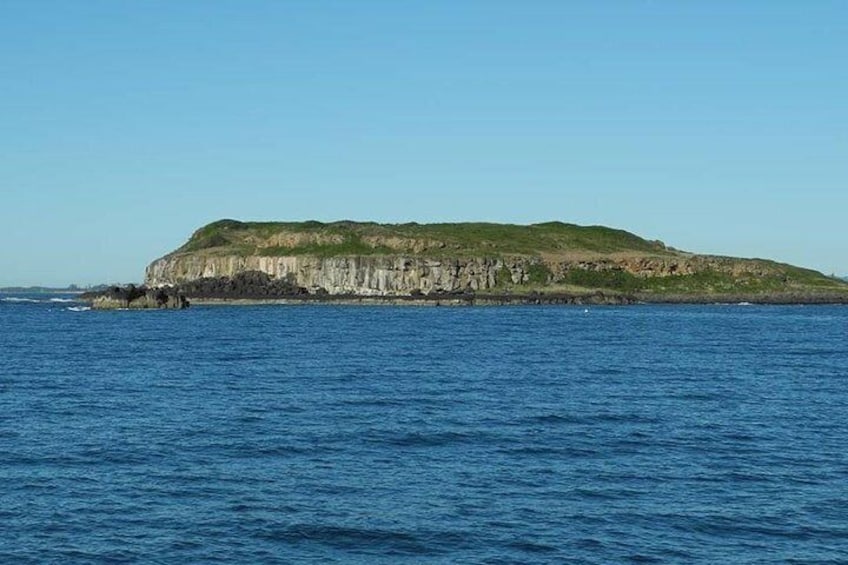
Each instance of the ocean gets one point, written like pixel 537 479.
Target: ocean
pixel 392 434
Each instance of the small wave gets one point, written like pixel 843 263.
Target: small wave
pixel 419 439
pixel 545 451
pixel 589 419
pixel 377 402
pixel 640 558
pixel 556 419
pixel 19 300
pixel 78 308
pixel 61 300
pixel 348 538
pixel 532 547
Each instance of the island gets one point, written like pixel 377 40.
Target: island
pixel 231 261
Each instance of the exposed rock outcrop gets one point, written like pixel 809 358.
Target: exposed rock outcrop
pixel 137 298
pixel 363 275
pixel 254 285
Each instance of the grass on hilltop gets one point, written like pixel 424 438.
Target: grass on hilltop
pixel 476 238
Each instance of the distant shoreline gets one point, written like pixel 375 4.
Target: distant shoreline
pixel 599 299
pixel 39 290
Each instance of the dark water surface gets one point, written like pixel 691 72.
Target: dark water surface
pixel 320 434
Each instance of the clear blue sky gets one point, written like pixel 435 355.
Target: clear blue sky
pixel 717 127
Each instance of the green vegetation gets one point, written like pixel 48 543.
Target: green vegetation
pixel 712 282
pixel 704 282
pixel 539 274
pixel 472 239
pixel 611 280
pixel 350 246
pixel 217 234
pixel 503 278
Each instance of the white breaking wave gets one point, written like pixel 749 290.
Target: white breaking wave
pixel 78 308
pixel 23 300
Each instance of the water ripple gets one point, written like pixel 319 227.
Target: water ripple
pixel 395 435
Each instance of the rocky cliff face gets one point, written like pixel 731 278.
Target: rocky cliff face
pixel 388 275
pixel 363 275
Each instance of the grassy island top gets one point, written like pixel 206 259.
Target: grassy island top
pixel 448 239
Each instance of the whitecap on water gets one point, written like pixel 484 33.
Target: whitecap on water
pixel 78 308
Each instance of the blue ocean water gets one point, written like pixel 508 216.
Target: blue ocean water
pixel 322 434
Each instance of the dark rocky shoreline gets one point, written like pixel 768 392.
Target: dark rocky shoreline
pixel 254 287
pixel 773 298
pixel 481 299
pixel 136 298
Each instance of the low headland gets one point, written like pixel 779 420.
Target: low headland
pixel 231 262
